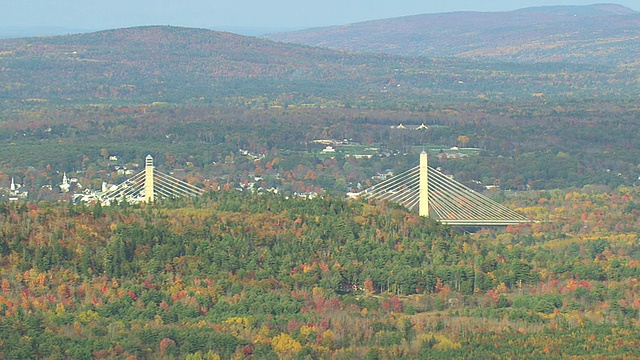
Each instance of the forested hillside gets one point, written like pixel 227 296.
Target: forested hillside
pixel 200 67
pixel 248 276
pixel 601 34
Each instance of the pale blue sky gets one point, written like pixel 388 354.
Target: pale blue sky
pixel 279 14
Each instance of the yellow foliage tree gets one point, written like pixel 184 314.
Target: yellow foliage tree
pixel 329 339
pixel 463 140
pixel 445 343
pixel 285 346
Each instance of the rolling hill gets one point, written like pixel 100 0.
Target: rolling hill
pixel 158 63
pixel 197 66
pixel 604 34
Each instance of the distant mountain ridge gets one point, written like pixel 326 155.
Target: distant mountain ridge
pixel 161 63
pixel 177 65
pixel 595 9
pixel 14 32
pixel 601 33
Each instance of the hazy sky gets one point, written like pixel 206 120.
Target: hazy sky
pixel 108 14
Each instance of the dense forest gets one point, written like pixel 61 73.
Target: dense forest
pixel 261 276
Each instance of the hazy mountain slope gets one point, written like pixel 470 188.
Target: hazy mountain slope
pixel 196 66
pixel 161 63
pixel 606 33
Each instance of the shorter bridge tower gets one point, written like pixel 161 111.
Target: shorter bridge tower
pixel 148 186
pixel 148 180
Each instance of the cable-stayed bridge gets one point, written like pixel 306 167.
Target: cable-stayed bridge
pixel 423 188
pixel 436 195
pixel 147 186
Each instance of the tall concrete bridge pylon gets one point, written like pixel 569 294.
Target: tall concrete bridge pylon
pixel 440 197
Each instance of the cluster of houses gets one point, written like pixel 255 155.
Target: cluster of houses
pixel 17 191
pixel 69 187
